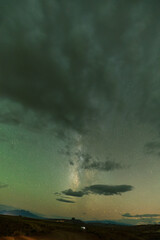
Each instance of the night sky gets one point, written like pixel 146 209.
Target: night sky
pixel 80 108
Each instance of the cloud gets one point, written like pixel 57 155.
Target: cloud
pixel 90 163
pixel 72 193
pixel 152 147
pixel 141 215
pixel 64 200
pixel 102 166
pixel 48 70
pixel 13 113
pixel 75 66
pixel 106 190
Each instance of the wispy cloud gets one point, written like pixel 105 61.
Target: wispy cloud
pixel 64 200
pixel 72 193
pixel 128 215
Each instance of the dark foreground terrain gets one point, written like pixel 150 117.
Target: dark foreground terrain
pixel 21 228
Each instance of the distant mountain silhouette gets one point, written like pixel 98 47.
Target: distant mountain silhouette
pixel 6 207
pixel 108 222
pixel 7 210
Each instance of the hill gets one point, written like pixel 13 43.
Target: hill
pixel 19 228
pixel 22 213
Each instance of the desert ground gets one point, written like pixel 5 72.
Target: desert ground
pixel 21 228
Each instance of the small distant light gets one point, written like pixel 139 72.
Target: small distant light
pixel 83 228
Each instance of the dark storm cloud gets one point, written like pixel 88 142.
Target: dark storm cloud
pixel 76 61
pixel 13 113
pixel 72 193
pixel 64 200
pixel 152 147
pixel 10 113
pixel 106 190
pixel 141 215
pixel 48 55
